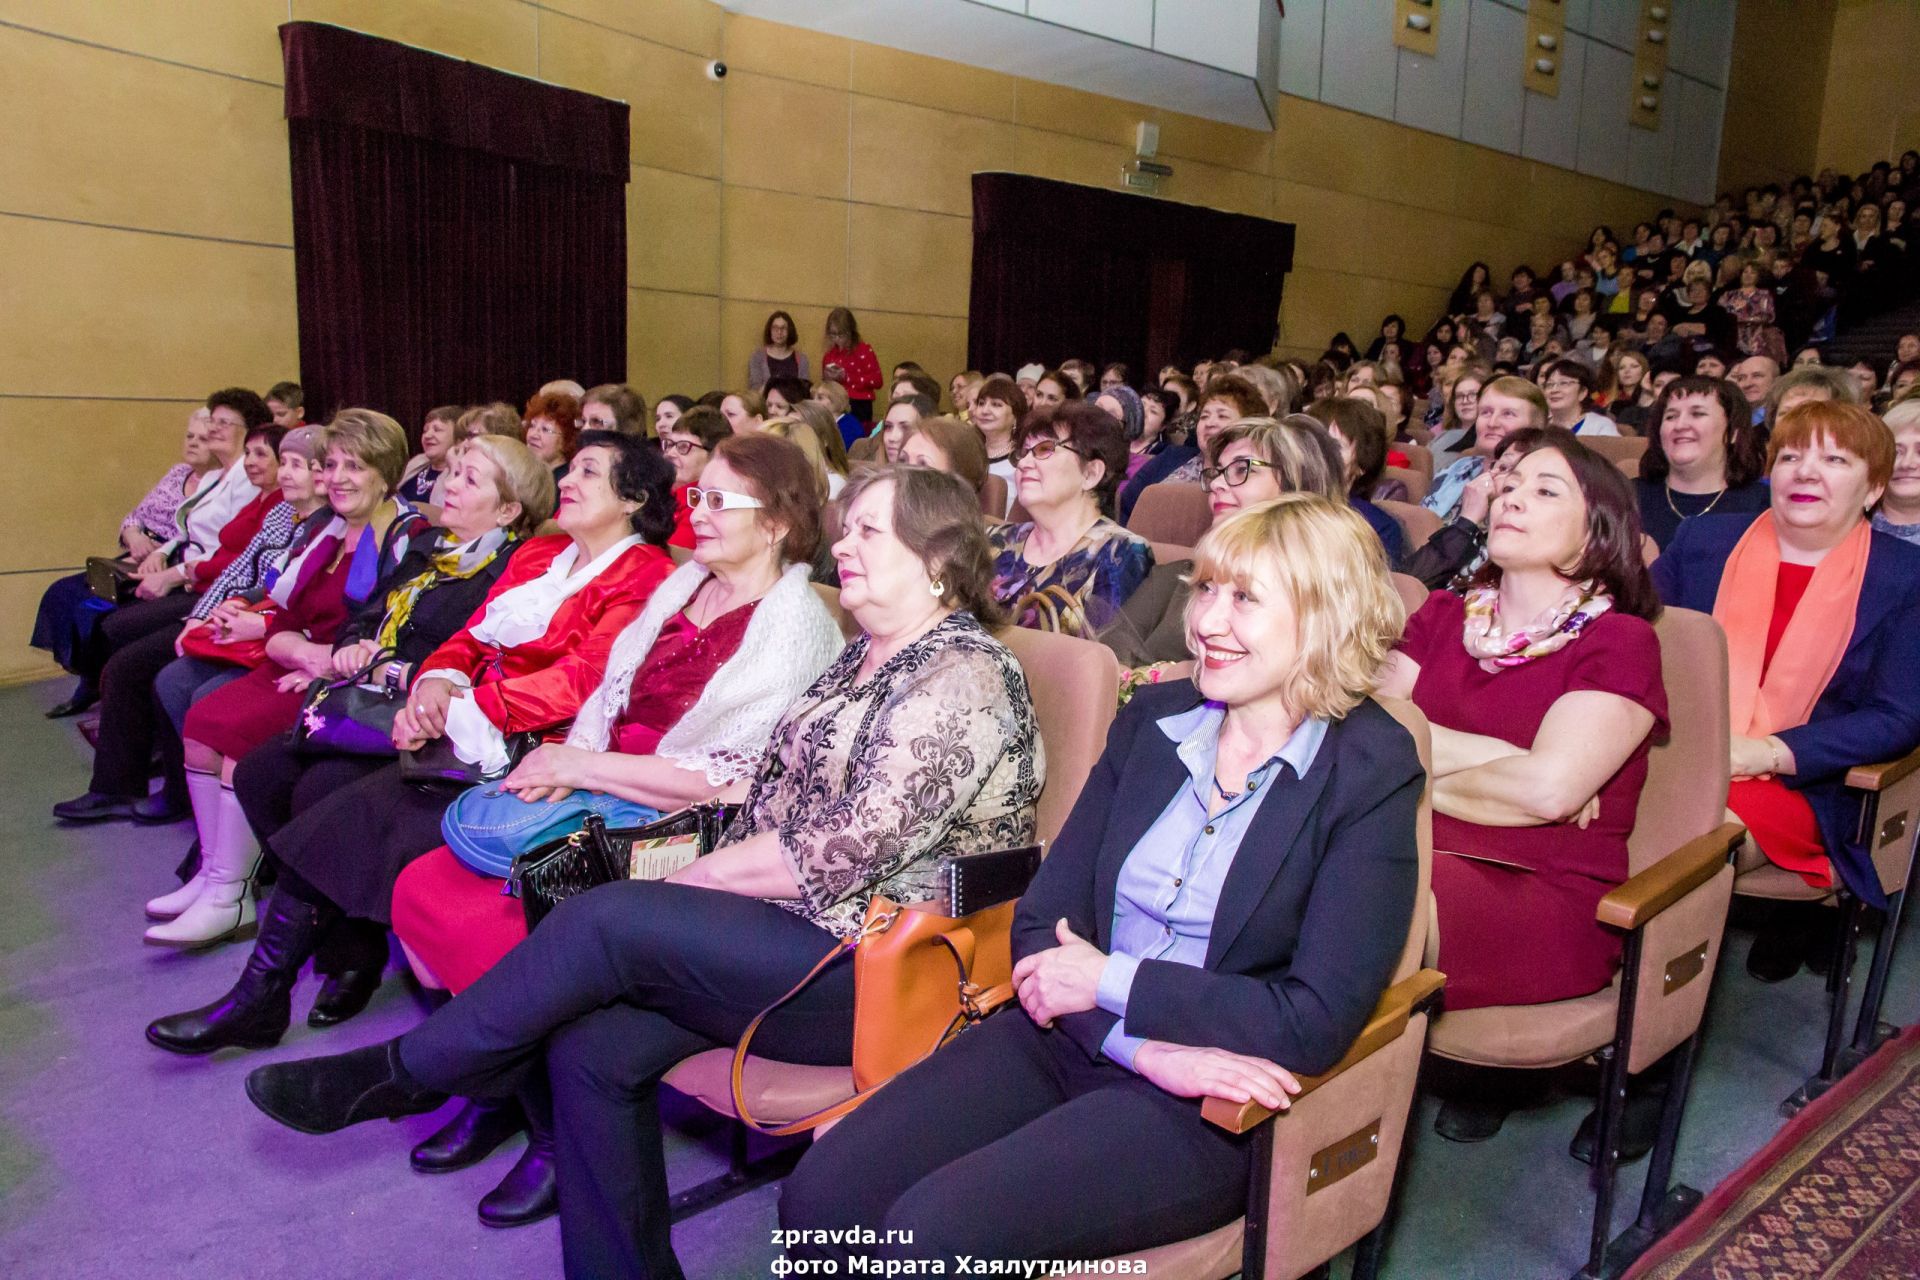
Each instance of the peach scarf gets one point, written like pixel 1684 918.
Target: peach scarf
pixel 1815 639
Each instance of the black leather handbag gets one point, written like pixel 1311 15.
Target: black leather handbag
pixel 550 873
pixel 346 717
pixel 435 764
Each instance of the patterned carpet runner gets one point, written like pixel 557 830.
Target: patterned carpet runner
pixel 1835 1195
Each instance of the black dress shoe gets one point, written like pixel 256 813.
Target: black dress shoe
pixel 1778 951
pixel 1469 1120
pixel 1639 1126
pixel 322 1095
pixel 342 995
pixel 473 1134
pixel 159 810
pixel 94 807
pixel 529 1192
pixel 84 695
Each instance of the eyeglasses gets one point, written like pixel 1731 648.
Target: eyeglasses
pixel 1042 449
pixel 1559 384
pixel 680 448
pixel 1235 473
pixel 720 500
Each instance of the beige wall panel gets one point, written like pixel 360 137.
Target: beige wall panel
pixel 785 135
pixel 932 82
pixel 783 248
pixel 676 109
pixel 673 231
pixel 689 25
pixel 915 158
pixel 1324 223
pixel 742 323
pixel 235 36
pixel 1232 190
pixel 939 343
pixel 1067 159
pixel 1430 173
pixel 1319 303
pixel 117 313
pixel 673 343
pixel 1085 115
pixel 59 514
pixel 1491 186
pixel 1226 145
pixel 1340 149
pixel 751 44
pixel 905 260
pixel 102 137
pixel 499 33
pixel 19 597
pixel 1873 82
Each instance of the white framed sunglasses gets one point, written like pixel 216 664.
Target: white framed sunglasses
pixel 720 500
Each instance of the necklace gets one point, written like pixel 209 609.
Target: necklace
pixel 1682 515
pixel 1228 796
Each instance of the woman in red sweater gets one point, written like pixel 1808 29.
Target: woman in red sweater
pixel 851 362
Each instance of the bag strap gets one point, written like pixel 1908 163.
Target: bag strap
pixel 975 1004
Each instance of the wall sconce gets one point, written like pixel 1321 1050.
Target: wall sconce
pixel 1420 21
pixel 1649 102
pixel 1544 66
pixel 1656 36
pixel 1415 26
pixel 1650 63
pixel 1650 82
pixel 1658 13
pixel 1546 41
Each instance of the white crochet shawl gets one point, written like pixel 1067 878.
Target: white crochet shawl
pixel 790 640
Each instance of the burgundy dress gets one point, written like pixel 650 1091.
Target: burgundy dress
pixel 457 921
pixel 1519 929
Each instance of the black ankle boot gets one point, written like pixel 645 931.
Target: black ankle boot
pixel 321 1095
pixel 1470 1119
pixel 531 1190
pixel 1639 1122
pixel 1781 946
pixel 255 1014
pixel 343 995
pixel 470 1137
pixel 84 695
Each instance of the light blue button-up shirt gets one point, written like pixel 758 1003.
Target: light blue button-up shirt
pixel 1169 886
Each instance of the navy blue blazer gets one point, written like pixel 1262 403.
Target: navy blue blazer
pixel 1312 917
pixel 1869 712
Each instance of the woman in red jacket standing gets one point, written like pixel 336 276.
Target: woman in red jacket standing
pixel 851 362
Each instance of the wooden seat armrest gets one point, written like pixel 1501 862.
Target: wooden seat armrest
pixel 1878 777
pixel 1669 880
pixel 1389 1019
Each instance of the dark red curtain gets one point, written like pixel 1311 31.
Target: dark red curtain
pixel 1061 270
pixel 459 233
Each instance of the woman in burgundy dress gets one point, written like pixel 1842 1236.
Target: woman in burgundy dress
pixel 692 693
pixel 1544 690
pixel 365 452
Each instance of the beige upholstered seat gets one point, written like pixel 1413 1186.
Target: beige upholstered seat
pixel 777 1092
pixel 1415 521
pixel 1171 512
pixel 993 496
pixel 1413 592
pixel 1623 451
pixel 1417 482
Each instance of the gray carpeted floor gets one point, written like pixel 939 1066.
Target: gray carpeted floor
pixel 119 1160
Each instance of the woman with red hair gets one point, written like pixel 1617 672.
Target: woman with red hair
pixel 553 429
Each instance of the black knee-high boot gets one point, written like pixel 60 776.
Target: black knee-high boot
pixel 255 1013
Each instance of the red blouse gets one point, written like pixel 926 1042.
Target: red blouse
pixel 683 659
pixel 1788 586
pixel 859 370
pixel 235 535
pixel 1616 654
pixel 540 684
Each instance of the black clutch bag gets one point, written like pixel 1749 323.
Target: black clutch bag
pixel 971 882
pixel 550 873
pixel 112 580
pixel 435 764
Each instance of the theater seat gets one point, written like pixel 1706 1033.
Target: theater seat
pixel 1419 455
pixel 1415 521
pixel 1075 685
pixel 1889 798
pixel 1172 512
pixel 1417 482
pixel 1672 913
pixel 1353 1119
pixel 993 496
pixel 1622 451
pixel 1413 592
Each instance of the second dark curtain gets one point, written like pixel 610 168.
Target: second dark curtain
pixel 459 233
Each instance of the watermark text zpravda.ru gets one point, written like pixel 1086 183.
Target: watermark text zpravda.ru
pixel 1025 1268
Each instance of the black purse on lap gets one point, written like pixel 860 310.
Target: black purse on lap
pixel 550 873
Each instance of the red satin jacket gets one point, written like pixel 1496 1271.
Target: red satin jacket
pixel 541 684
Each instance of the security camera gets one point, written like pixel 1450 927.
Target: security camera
pixel 716 70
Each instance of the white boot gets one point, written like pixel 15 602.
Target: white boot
pixel 204 790
pixel 224 910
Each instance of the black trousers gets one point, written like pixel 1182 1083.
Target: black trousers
pixel 1010 1144
pixel 124 625
pixel 131 720
pixel 612 989
pixel 273 782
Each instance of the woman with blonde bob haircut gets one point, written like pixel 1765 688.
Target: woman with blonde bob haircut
pixel 1190 935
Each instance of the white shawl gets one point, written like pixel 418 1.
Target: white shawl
pixel 790 640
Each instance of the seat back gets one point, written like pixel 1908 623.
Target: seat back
pixel 678 554
pixel 1891 815
pixel 1619 450
pixel 1415 521
pixel 993 496
pixel 1075 686
pixel 1170 512
pixel 865 449
pixel 1419 455
pixel 1685 797
pixel 830 596
pixel 1415 723
pixel 1170 552
pixel 1417 482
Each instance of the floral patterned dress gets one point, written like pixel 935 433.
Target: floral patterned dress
pixel 1082 591
pixel 869 784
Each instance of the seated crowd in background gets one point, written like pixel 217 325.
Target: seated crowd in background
pixel 605 612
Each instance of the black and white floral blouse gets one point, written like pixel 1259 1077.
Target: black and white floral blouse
pixel 869 785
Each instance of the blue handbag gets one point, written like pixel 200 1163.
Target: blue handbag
pixel 487 827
